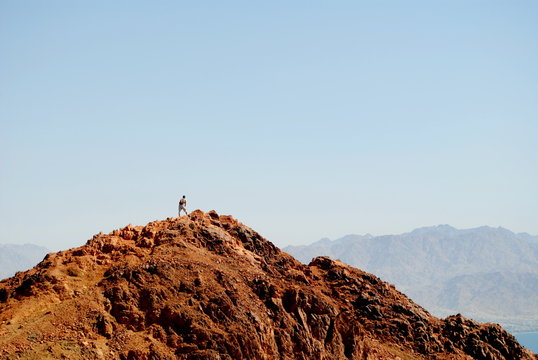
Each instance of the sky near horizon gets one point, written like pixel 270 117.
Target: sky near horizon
pixel 302 119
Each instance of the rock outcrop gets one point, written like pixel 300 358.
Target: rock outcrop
pixel 207 287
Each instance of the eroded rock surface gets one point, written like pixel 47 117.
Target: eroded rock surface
pixel 207 287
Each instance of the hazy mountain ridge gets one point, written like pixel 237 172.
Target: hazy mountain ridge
pixel 15 258
pixel 490 274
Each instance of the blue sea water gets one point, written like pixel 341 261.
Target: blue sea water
pixel 529 340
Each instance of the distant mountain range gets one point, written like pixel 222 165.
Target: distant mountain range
pixel 489 274
pixel 15 258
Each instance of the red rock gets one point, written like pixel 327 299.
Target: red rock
pixel 205 286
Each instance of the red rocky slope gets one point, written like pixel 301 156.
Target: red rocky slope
pixel 207 287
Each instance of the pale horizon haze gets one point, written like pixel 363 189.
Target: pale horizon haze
pixel 302 119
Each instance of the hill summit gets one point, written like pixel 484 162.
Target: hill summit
pixel 207 287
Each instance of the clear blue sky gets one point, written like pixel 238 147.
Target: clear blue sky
pixel 303 119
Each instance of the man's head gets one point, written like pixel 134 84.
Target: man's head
pixel 183 196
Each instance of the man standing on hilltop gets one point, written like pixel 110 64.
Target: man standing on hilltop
pixel 182 206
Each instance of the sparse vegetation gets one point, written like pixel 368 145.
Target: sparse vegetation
pixel 74 271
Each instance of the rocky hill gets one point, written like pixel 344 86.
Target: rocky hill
pixel 207 287
pixel 489 274
pixel 15 258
